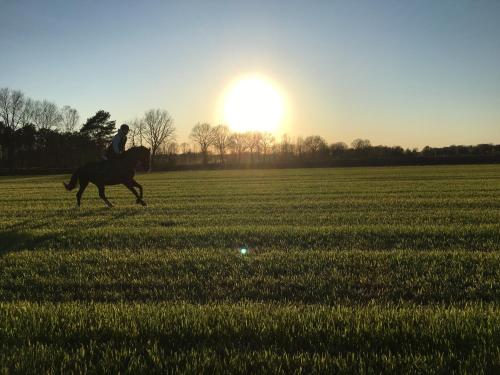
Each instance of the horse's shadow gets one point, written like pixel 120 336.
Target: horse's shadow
pixel 14 240
pixel 22 235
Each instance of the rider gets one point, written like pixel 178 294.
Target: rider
pixel 117 145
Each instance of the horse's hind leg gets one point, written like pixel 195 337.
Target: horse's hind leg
pixel 103 196
pixel 83 185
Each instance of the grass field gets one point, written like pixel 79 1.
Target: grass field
pixel 361 270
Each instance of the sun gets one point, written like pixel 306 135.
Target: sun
pixel 253 103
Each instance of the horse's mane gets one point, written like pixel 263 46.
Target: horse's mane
pixel 134 153
pixel 136 149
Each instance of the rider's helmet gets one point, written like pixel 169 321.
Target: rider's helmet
pixel 124 128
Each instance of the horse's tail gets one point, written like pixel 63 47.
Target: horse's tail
pixel 73 181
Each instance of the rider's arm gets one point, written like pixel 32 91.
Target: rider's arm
pixel 116 144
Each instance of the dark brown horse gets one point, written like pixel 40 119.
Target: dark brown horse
pixel 119 171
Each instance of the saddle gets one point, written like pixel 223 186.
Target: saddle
pixel 105 166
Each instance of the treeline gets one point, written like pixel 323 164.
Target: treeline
pixel 216 147
pixel 40 136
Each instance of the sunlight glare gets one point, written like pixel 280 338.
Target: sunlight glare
pixel 252 103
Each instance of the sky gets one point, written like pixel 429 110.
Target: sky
pixel 410 73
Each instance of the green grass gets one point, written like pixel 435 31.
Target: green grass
pixel 200 276
pixel 349 270
pixel 261 337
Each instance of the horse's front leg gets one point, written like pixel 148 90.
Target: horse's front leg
pixel 139 186
pixel 130 186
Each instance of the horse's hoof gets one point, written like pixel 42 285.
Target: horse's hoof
pixel 143 203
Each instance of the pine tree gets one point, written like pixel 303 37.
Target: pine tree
pixel 99 129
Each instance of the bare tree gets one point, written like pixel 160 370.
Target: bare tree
pixel 28 112
pixel 254 143
pixel 221 140
pixel 46 115
pixel 168 148
pixel 238 144
pixel 315 144
pixel 286 144
pixel 158 127
pixel 185 148
pixel 137 130
pixel 204 136
pixel 299 146
pixel 276 148
pixel 172 148
pixel 267 142
pixel 11 107
pixel 132 135
pixel 361 144
pixel 70 118
pixel 194 148
pixel 338 146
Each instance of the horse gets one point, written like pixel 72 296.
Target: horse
pixel 120 170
